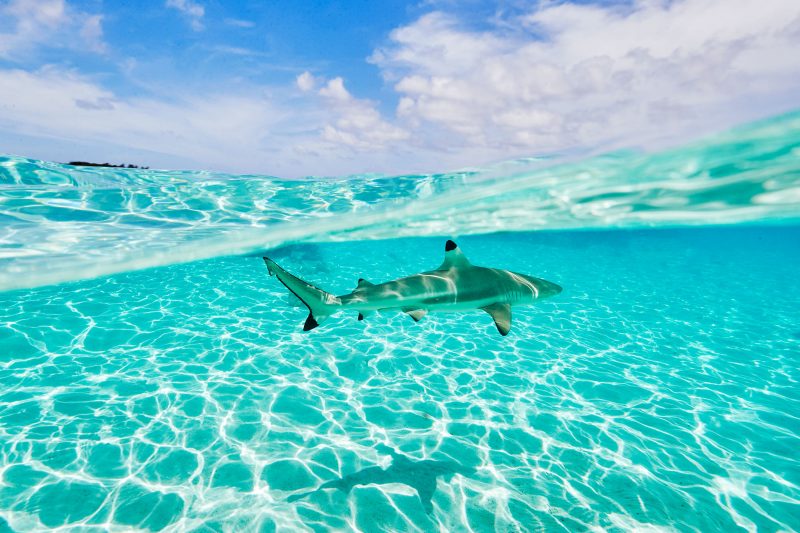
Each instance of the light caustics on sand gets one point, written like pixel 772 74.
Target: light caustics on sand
pixel 63 223
pixel 658 392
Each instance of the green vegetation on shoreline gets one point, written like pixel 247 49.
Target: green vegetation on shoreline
pixel 87 164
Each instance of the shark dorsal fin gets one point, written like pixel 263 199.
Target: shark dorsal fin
pixel 501 314
pixel 363 283
pixel 453 257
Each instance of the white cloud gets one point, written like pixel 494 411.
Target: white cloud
pixel 256 131
pixel 92 33
pixel 46 12
pixel 222 131
pixel 240 23
pixel 305 81
pixel 572 75
pixel 357 123
pixel 47 23
pixel 334 90
pixel 194 11
pixel 347 122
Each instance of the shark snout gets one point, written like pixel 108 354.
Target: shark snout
pixel 548 288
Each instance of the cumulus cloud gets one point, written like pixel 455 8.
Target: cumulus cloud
pixel 357 123
pixel 31 24
pixel 192 10
pixel 570 75
pixel 348 122
pixel 305 81
pixel 334 90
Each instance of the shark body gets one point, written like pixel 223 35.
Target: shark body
pixel 457 285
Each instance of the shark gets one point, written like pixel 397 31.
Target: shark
pixel 456 286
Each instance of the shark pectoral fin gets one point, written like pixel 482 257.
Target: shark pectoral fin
pixel 501 314
pixel 364 314
pixel 363 283
pixel 416 314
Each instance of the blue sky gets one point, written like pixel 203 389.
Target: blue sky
pixel 252 42
pixel 327 88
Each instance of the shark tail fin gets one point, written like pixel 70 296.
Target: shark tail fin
pixel 320 304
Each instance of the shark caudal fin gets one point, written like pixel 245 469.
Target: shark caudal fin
pixel 320 304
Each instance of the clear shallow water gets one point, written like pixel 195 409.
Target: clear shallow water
pixel 660 390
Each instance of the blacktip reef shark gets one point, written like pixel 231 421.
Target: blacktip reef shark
pixel 457 285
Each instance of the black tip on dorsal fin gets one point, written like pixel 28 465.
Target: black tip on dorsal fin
pixel 360 316
pixel 453 256
pixel 363 283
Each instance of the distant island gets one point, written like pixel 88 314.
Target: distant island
pixel 87 164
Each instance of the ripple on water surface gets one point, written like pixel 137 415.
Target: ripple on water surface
pixel 61 223
pixel 658 391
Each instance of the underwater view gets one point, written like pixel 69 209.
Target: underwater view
pixel 154 376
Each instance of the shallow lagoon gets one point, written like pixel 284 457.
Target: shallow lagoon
pixel 659 390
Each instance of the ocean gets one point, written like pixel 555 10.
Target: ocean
pixel 153 376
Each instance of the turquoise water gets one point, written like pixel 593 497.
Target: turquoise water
pixel 153 377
